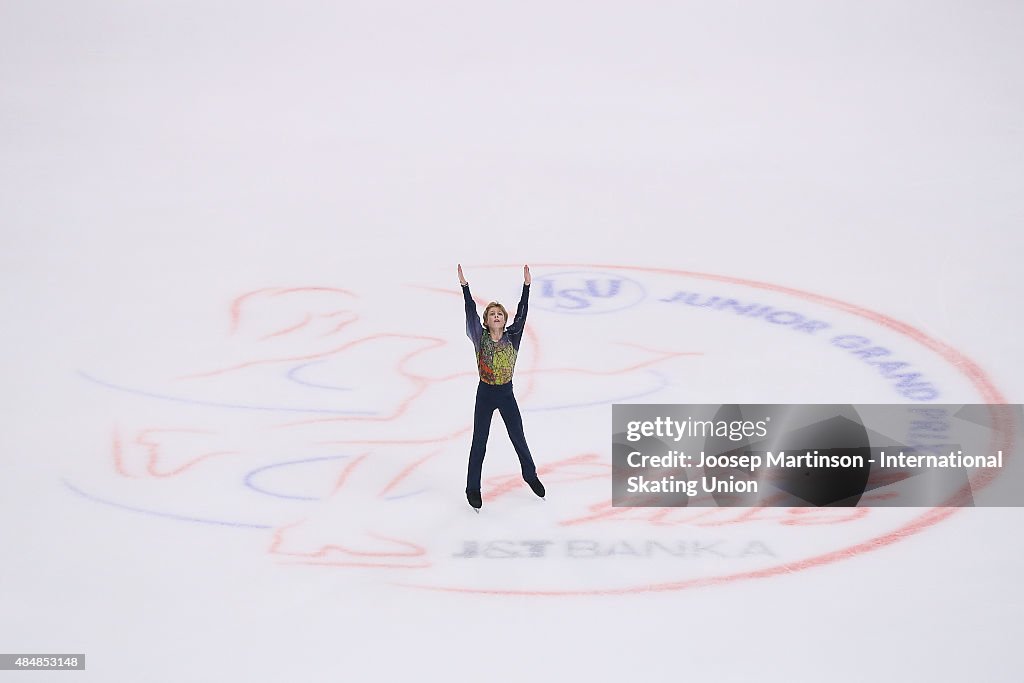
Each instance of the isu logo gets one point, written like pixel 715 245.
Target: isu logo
pixel 587 292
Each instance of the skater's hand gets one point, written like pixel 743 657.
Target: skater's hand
pixel 526 274
pixel 462 278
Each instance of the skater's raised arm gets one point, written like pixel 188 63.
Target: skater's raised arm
pixel 473 326
pixel 515 330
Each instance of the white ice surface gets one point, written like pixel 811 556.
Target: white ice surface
pixel 159 160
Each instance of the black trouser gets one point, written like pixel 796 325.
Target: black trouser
pixel 489 397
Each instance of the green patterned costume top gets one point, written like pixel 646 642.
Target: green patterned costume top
pixel 495 360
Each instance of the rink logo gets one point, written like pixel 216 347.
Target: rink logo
pixel 587 293
pixel 307 372
pixel 593 549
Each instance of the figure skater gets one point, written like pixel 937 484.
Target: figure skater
pixel 496 349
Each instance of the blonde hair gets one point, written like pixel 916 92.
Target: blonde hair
pixel 494 304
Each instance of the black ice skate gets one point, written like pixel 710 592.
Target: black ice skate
pixel 537 487
pixel 474 499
